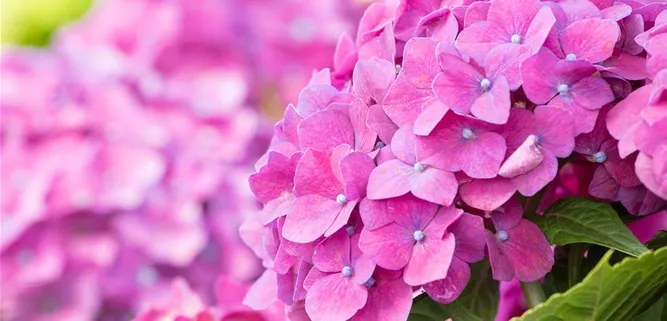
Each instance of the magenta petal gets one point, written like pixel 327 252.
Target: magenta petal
pixel 285 285
pixel 504 60
pixel 432 112
pixel 312 277
pixel 375 214
pixel 403 144
pixel 315 98
pixel 487 194
pixel 263 292
pixel 530 183
pixel 626 113
pixel 592 93
pixel 529 251
pixel 500 263
pixel 493 106
pixel 434 185
pixel 524 159
pixel 513 14
pixel 539 29
pixel 325 130
pixel 590 39
pixel 538 79
pixel 479 38
pixel 335 298
pixel 476 12
pixel 356 167
pixel 603 186
pixel 379 122
pixel 644 168
pixel 448 289
pixel 299 289
pixel 371 78
pixel 468 231
pixel 445 217
pixel 482 156
pixel 332 254
pixel 411 212
pixel 389 246
pixel 309 217
pixel 430 260
pixel 556 130
pixel 458 85
pixel 390 179
pixel 342 218
pixel 388 300
pixel 364 136
pixel 314 175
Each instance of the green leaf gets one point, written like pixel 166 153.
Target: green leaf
pixel 657 241
pixel 653 313
pixel 582 220
pixel 478 301
pixel 609 293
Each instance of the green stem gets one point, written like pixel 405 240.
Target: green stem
pixel 533 293
pixel 575 257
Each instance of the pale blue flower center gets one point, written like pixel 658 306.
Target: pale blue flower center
pixel 563 88
pixel 370 282
pixel 600 157
pixel 420 167
pixel 341 199
pixel 418 235
pixel 485 84
pixel 379 145
pixel 346 271
pixel 350 230
pixel 502 235
pixel 571 57
pixel 467 133
pixel 515 38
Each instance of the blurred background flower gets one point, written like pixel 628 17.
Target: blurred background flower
pixel 127 139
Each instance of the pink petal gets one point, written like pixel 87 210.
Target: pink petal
pixel 626 113
pixel 335 298
pixel 314 175
pixel 309 217
pixel 342 218
pixel 432 112
pixel 448 289
pixel 504 60
pixel 379 122
pixel 315 98
pixel 458 85
pixel 500 264
pixel 538 78
pixel 263 292
pixel 389 246
pixel 493 106
pixel 325 130
pixel 375 214
pixel 476 12
pixel 413 85
pixel 603 185
pixel 274 178
pixel 313 276
pixel 345 54
pixel 639 201
pixel 388 300
pixel 513 15
pixel 440 24
pixel 430 260
pixel 539 28
pixel 411 212
pixel 528 249
pixel 508 216
pixel 371 78
pixel 364 136
pixel 644 168
pixel 403 145
pixel 332 254
pixel 590 39
pixel 468 231
pixel 526 158
pixel 481 157
pixel 556 130
pixel 445 217
pixel 535 180
pixel 487 194
pixel 592 93
pixel 390 179
pixel 356 167
pixel 479 38
pixel 434 185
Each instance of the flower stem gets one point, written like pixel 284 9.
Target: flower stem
pixel 575 257
pixel 533 293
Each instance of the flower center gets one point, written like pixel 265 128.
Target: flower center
pixel 341 199
pixel 600 157
pixel 515 38
pixel 370 282
pixel 350 230
pixel 420 167
pixel 502 235
pixel 485 83
pixel 347 271
pixel 398 68
pixel 563 89
pixel 418 235
pixel 147 275
pixel 467 133
pixel 571 57
pixel 379 145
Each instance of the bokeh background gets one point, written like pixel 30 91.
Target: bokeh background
pixel 128 131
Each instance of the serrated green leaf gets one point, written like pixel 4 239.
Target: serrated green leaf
pixel 657 241
pixel 609 293
pixel 582 220
pixel 478 301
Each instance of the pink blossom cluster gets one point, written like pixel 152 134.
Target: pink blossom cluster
pixel 126 147
pixel 439 124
